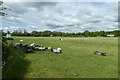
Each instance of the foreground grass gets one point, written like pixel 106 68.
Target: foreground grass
pixel 77 59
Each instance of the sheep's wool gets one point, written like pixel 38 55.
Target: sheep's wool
pixel 32 44
pixel 21 40
pixel 49 47
pixel 58 48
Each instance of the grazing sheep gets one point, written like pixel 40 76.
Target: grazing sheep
pixel 21 40
pixel 100 53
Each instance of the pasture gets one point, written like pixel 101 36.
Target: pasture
pixel 77 59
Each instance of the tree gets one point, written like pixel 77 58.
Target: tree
pixel 34 33
pixel 103 33
pixel 2 8
pixel 46 33
pixel 26 33
pixel 86 33
pixel 116 33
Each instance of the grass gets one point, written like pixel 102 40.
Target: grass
pixel 77 59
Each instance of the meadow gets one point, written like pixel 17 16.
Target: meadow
pixel 77 59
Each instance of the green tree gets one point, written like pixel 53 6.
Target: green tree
pixel 86 33
pixel 34 33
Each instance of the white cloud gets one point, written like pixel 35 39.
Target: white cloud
pixel 6 28
pixel 69 17
pixel 15 27
pixel 61 0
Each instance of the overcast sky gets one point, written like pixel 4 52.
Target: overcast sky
pixel 61 16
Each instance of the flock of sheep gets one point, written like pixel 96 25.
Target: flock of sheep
pixel 33 47
pixel 30 48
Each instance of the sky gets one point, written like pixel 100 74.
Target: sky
pixel 60 16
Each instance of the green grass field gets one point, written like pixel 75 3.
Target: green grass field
pixel 77 59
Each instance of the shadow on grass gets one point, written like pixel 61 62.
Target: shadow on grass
pixel 16 65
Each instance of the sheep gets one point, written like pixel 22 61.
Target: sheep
pixel 58 50
pixel 33 44
pixel 17 45
pixel 100 53
pixel 21 40
pixel 24 47
pixel 27 49
pixel 40 47
pixel 61 39
pixel 103 54
pixel 49 47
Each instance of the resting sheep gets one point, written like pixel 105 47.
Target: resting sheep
pixel 17 45
pixel 40 48
pixel 100 53
pixel 23 47
pixel 32 45
pixel 37 47
pixel 26 48
pixel 49 47
pixel 58 50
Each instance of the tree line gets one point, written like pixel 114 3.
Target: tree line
pixel 48 33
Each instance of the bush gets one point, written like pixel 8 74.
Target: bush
pixel 14 64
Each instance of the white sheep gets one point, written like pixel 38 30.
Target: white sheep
pixel 41 48
pixel 49 47
pixel 33 44
pixel 61 39
pixel 58 50
pixel 21 40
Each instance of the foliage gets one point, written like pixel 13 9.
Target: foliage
pixel 63 34
pixel 13 61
